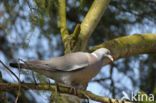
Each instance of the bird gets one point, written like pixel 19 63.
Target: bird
pixel 73 69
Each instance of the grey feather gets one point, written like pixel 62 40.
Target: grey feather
pixel 69 62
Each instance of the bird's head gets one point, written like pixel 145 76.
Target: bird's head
pixel 102 53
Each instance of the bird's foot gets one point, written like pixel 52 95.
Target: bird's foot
pixel 85 95
pixel 73 90
pixel 56 94
pixel 57 90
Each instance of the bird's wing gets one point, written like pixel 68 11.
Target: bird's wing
pixel 37 65
pixel 70 62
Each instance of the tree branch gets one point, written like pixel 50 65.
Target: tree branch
pixel 90 22
pixel 62 89
pixel 129 46
pixel 78 41
pixel 63 23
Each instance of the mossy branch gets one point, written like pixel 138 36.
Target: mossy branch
pixel 90 21
pixel 129 45
pixel 79 38
pixel 63 23
pixel 62 89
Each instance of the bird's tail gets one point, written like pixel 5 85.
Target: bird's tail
pixel 17 65
pixel 31 65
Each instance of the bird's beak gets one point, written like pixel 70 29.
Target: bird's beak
pixel 110 57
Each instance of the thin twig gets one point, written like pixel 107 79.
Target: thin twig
pixel 10 71
pixel 101 79
pixel 112 85
pixel 18 94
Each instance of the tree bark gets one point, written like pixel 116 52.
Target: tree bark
pixel 90 22
pixel 126 46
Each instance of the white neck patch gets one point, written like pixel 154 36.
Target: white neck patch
pixel 95 55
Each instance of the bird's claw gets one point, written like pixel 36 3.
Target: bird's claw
pixel 73 90
pixel 86 97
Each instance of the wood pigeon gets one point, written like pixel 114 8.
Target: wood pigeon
pixel 73 69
